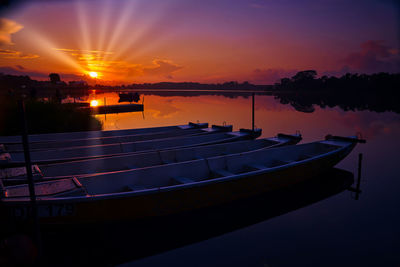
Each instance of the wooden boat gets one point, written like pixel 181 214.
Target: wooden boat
pixel 96 134
pixel 73 245
pixel 128 97
pixel 80 153
pixel 173 188
pixel 48 145
pixel 141 160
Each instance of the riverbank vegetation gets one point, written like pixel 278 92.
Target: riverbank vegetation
pixel 44 117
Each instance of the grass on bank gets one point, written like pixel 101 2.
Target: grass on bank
pixel 45 117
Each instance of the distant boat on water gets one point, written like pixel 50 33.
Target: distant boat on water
pixel 129 97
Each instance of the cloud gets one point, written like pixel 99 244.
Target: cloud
pixel 91 58
pixel 22 71
pixel 161 68
pixel 270 76
pixel 85 54
pixel 374 56
pixel 258 4
pixel 98 60
pixel 7 28
pixel 13 54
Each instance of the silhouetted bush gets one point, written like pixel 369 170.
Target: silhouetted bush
pixel 45 117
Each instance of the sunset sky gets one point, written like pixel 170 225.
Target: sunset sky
pixel 260 41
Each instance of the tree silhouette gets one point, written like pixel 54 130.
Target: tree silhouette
pixel 54 78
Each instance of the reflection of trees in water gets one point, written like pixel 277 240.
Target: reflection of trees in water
pixel 202 93
pixel 377 92
pixel 304 101
pixel 128 97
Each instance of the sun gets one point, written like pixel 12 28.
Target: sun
pixel 94 103
pixel 93 74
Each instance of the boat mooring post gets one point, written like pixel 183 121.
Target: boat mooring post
pixel 105 109
pixel 28 165
pixel 360 157
pixel 252 114
pixel 357 188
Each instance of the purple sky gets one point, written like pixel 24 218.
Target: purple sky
pixel 207 41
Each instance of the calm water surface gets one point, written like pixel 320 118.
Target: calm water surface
pixel 337 231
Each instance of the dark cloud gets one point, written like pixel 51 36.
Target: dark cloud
pixel 21 71
pixel 374 56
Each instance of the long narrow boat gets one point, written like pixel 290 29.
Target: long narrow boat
pixel 96 134
pixel 80 153
pixel 173 188
pixel 141 160
pixel 186 131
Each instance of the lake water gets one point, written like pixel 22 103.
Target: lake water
pixel 336 231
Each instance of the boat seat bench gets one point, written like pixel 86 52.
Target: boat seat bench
pixel 278 162
pixel 303 157
pixel 223 172
pixel 132 187
pixel 166 161
pixel 130 167
pixel 256 166
pixel 182 180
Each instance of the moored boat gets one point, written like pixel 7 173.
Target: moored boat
pixel 96 134
pixel 48 145
pixel 80 153
pixel 172 188
pixel 128 97
pixel 140 160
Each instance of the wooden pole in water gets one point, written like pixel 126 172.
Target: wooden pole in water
pixel 252 114
pixel 360 156
pixel 28 165
pixel 105 109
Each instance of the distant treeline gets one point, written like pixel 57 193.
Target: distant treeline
pixel 54 87
pixel 12 83
pixel 377 92
pixel 307 81
pixel 233 85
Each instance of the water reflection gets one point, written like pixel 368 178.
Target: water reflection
pixel 128 97
pixel 122 242
pixel 304 101
pixel 270 115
